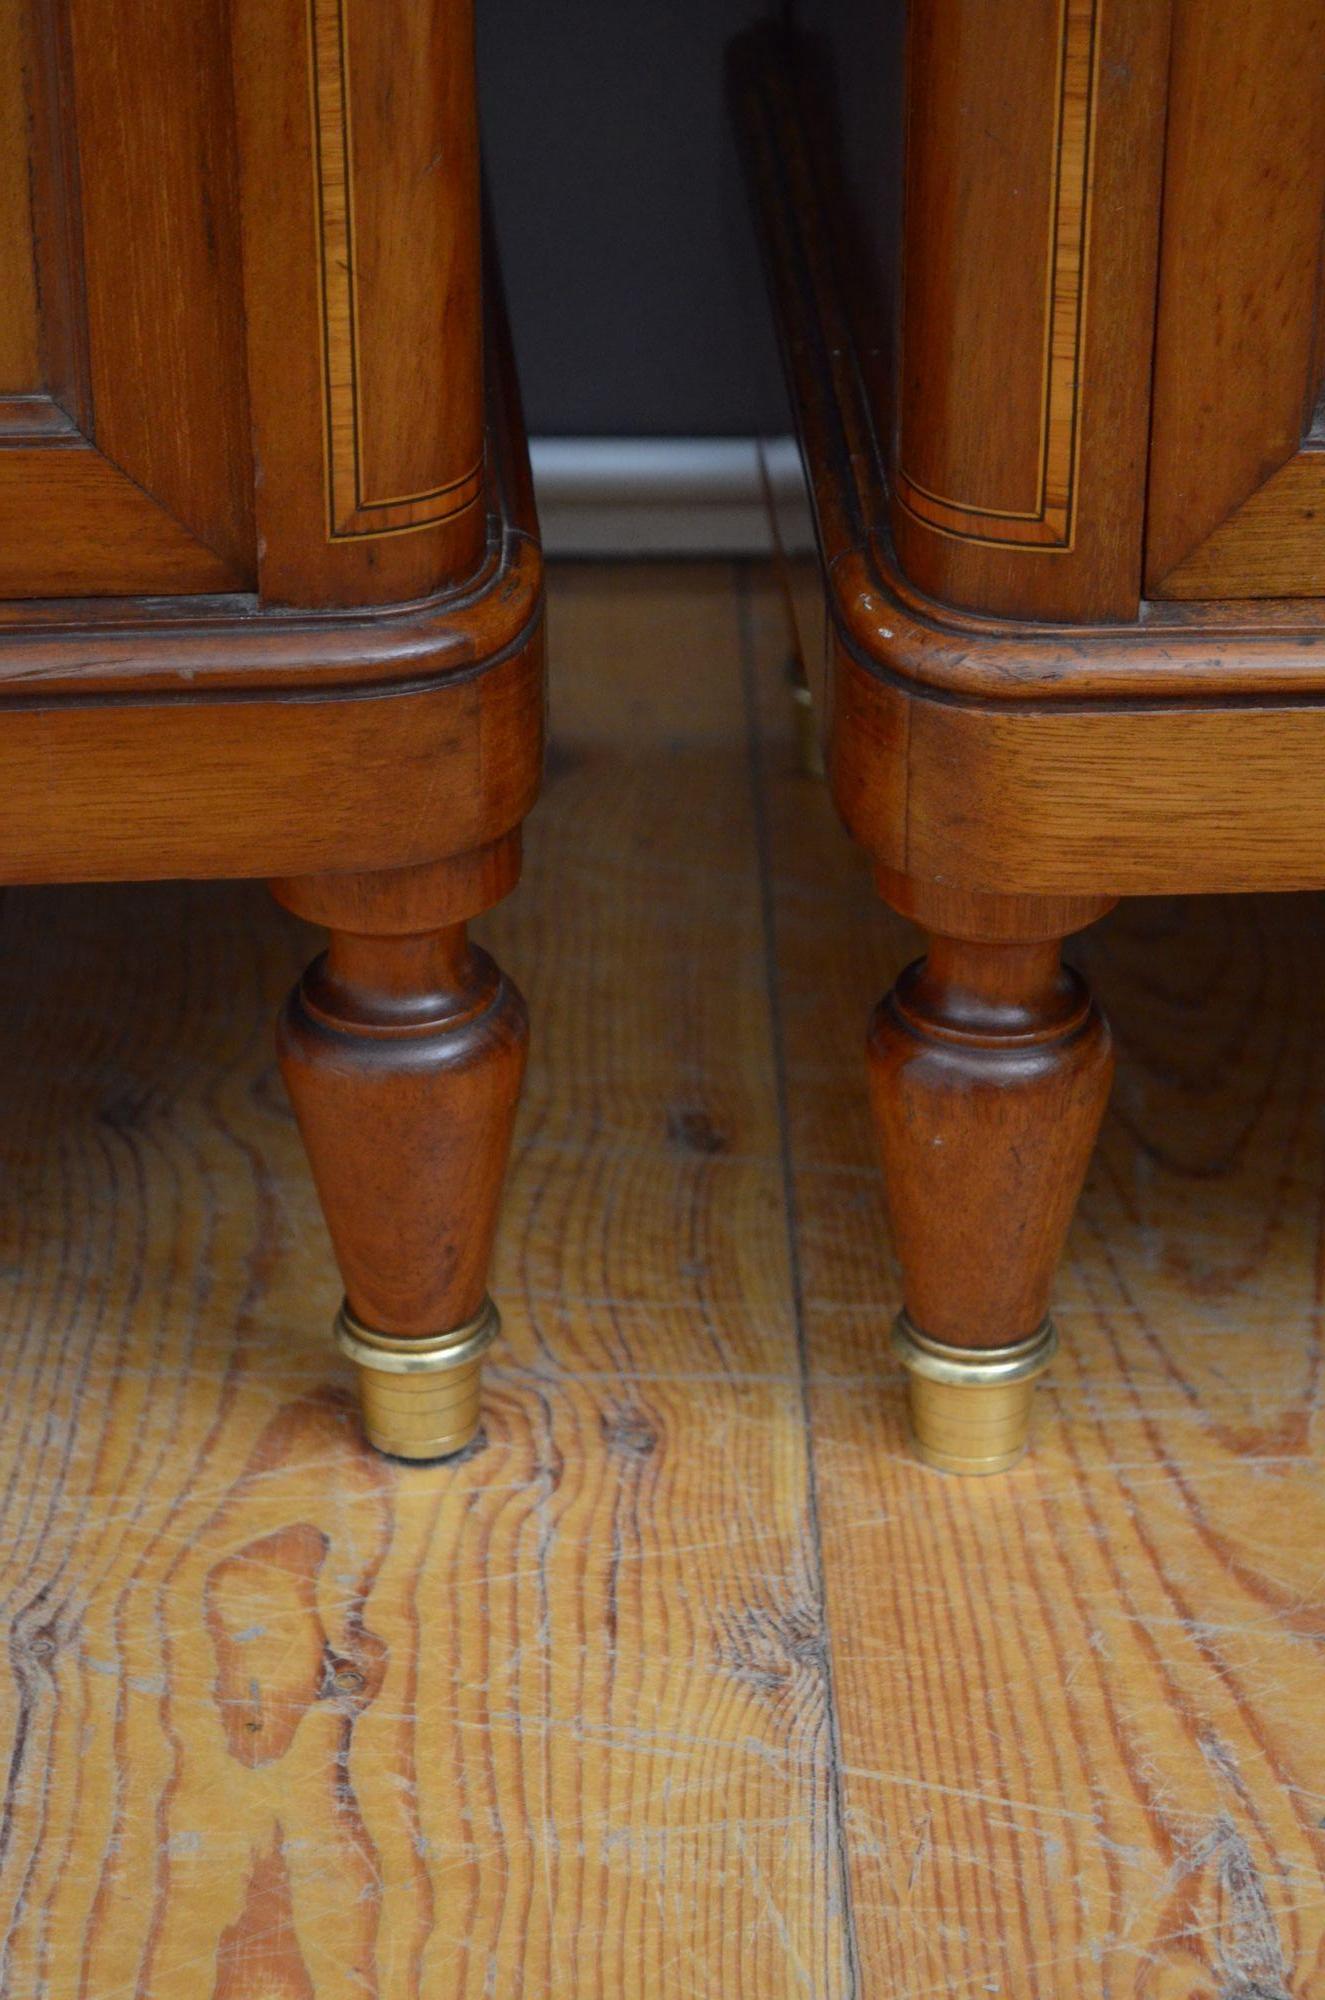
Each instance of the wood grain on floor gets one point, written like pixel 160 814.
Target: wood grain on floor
pixel 688 1681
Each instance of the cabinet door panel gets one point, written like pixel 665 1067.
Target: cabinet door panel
pixel 154 110
pixel 20 365
pixel 124 458
pixel 72 525
pixel 1237 476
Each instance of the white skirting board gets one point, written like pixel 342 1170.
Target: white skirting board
pixel 669 496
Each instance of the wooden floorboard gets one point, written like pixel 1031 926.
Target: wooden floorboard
pixel 689 1681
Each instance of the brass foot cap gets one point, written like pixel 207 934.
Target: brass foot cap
pixel 420 1397
pixel 971 1407
pixel 809 748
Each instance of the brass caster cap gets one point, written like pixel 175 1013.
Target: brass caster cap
pixel 421 1398
pixel 971 1407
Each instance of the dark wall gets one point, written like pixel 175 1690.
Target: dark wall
pixel 635 290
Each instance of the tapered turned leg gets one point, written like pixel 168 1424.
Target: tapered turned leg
pixel 990 1067
pixel 403 1049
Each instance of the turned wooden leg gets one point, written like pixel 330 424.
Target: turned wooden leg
pixel 990 1067
pixel 403 1049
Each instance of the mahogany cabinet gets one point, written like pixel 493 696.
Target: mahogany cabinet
pixel 270 578
pixel 1047 276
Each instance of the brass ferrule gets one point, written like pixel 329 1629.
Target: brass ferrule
pixel 420 1397
pixel 971 1406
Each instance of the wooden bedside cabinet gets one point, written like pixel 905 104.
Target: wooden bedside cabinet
pixel 1047 276
pixel 272 591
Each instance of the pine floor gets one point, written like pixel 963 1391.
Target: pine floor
pixel 688 1681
